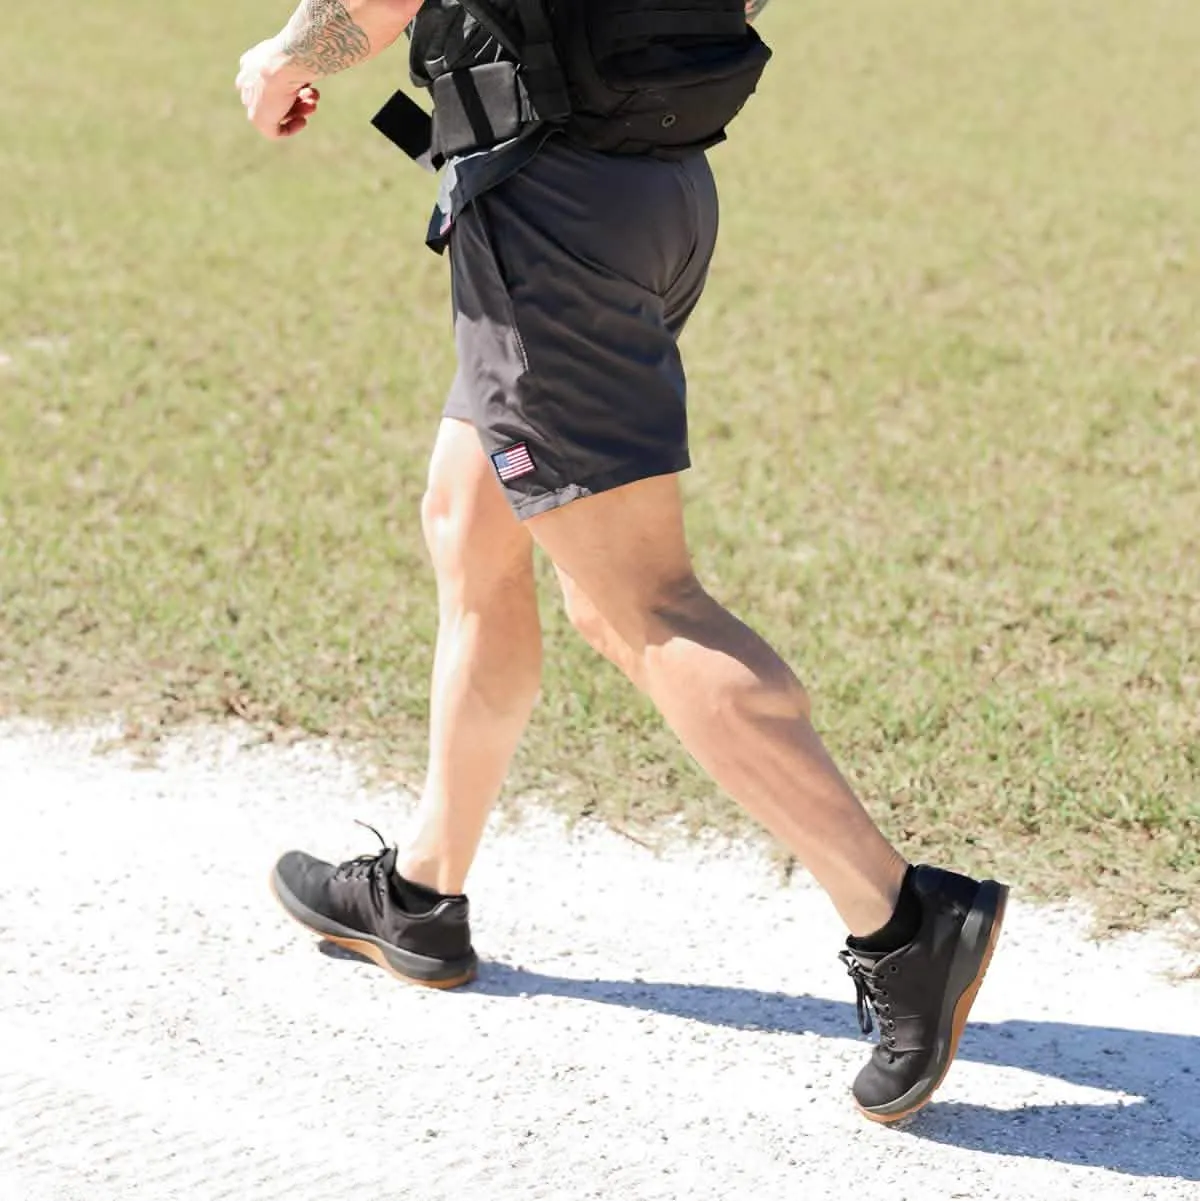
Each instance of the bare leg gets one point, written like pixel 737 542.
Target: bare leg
pixel 736 706
pixel 487 665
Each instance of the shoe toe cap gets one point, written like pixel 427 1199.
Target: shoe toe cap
pixel 884 1080
pixel 296 870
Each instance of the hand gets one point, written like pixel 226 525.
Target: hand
pixel 277 103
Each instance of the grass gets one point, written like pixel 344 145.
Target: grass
pixel 945 415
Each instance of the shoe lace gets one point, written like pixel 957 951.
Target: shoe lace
pixel 871 997
pixel 363 866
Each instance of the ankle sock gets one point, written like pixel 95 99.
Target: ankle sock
pixel 415 898
pixel 901 928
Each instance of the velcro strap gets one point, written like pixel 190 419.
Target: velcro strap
pixel 403 121
pixel 477 107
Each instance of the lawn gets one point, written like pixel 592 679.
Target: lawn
pixel 945 420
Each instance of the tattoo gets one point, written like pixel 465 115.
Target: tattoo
pixel 323 38
pixel 754 7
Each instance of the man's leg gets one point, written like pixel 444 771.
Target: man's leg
pixel 487 663
pixel 921 938
pixel 403 907
pixel 736 706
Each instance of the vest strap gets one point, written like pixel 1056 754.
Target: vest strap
pixel 403 121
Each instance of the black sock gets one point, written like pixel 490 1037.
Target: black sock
pixel 415 898
pixel 902 926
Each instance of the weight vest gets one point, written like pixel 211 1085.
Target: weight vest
pixel 650 77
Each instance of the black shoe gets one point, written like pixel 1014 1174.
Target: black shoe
pixel 922 993
pixel 359 905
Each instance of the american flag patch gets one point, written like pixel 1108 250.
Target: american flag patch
pixel 514 462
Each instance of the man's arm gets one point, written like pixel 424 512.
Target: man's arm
pixel 327 36
pixel 754 7
pixel 322 38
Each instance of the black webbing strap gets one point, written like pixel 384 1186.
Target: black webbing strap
pixel 482 129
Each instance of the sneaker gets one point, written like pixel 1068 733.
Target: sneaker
pixel 922 993
pixel 360 905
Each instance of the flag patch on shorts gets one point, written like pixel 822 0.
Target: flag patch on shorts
pixel 514 462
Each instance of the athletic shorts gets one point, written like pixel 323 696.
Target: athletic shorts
pixel 571 282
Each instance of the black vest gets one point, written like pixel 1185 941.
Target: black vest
pixel 657 77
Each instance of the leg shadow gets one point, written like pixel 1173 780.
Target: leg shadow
pixel 1154 1132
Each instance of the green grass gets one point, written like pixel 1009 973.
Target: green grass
pixel 945 415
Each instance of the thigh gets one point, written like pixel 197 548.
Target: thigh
pixel 623 553
pixel 567 296
pixel 472 533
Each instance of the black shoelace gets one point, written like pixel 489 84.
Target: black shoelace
pixel 368 866
pixel 871 997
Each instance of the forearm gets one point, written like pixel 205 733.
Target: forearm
pixel 754 7
pixel 327 36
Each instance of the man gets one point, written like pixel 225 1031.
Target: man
pixel 573 273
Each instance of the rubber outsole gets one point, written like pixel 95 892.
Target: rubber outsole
pixel 372 951
pixel 962 1011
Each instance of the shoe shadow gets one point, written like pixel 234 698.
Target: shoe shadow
pixel 1153 1130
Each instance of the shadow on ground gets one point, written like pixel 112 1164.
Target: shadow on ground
pixel 1155 1132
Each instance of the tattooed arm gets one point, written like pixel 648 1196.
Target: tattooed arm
pixel 322 38
pixel 754 7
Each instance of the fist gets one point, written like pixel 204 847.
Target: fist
pixel 278 104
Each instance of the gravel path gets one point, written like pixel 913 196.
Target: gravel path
pixel 642 1029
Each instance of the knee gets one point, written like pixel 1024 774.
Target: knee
pixel 442 520
pixel 586 619
pixel 475 548
pixel 622 624
pixel 446 528
pixel 684 613
pixel 677 606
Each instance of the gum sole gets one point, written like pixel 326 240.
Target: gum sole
pixel 373 953
pixel 962 1010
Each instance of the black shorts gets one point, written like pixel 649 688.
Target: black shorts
pixel 571 282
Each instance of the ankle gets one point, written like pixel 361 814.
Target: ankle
pixel 416 898
pixel 900 928
pixel 867 901
pixel 432 872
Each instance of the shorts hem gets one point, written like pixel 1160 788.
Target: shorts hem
pixel 630 473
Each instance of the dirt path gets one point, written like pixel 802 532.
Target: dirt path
pixel 642 1028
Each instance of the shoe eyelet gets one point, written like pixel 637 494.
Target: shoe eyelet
pixel 893 968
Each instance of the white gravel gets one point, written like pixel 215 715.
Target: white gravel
pixel 643 1028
